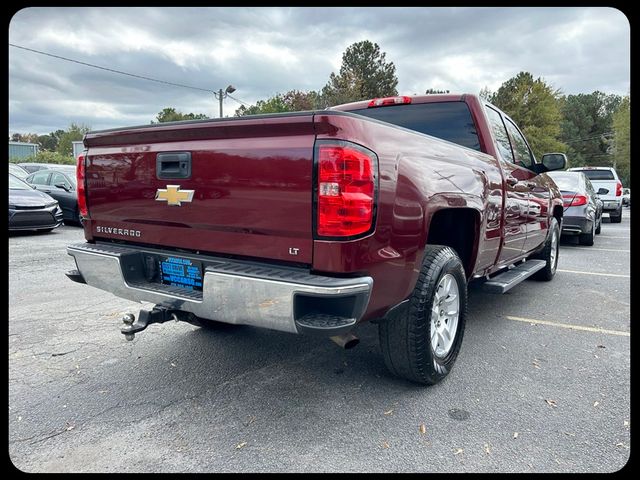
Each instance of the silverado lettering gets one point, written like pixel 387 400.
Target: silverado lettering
pixel 393 205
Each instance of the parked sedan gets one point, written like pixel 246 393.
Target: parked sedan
pixel 30 209
pixel 61 185
pixel 582 205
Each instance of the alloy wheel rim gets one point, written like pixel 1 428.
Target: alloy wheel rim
pixel 445 311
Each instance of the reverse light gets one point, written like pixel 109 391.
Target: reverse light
pixel 82 192
pixel 618 189
pixel 381 102
pixel 574 200
pixel 346 190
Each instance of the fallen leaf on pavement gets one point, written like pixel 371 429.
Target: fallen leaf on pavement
pixel 389 412
pixel 70 427
pixel 551 403
pixel 385 445
pixel 570 434
pixel 487 449
pixel 596 403
pixel 458 451
pixel 601 346
pixel 423 429
pixel 173 364
pixel 240 445
pixel 515 435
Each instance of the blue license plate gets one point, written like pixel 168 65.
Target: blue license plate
pixel 181 272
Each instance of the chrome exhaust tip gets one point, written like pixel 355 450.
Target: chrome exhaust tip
pixel 346 341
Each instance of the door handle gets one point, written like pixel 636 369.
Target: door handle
pixel 511 180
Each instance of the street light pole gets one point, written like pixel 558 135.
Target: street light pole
pixel 220 95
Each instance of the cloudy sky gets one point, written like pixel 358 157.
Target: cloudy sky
pixel 263 51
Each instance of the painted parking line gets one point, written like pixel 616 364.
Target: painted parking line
pixel 600 249
pixel 569 326
pixel 594 273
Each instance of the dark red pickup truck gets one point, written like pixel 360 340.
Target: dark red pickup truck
pixel 314 222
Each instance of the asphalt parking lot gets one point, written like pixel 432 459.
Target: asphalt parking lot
pixel 542 383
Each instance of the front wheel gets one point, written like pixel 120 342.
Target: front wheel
pixel 422 341
pixel 549 253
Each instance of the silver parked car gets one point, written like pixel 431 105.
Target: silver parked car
pixel 582 205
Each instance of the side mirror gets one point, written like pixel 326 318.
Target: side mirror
pixel 603 191
pixel 554 161
pixel 63 186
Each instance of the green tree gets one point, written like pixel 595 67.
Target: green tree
pixel 291 101
pixel 171 115
pixel 536 107
pixel 587 128
pixel 24 137
pixel 44 156
pixel 74 133
pixel 364 74
pixel 622 140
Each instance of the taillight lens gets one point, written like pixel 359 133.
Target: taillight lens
pixel 381 102
pixel 82 193
pixel 618 189
pixel 574 201
pixel 346 189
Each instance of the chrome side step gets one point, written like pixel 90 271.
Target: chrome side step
pixel 507 280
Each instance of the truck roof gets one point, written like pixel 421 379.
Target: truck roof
pixel 444 97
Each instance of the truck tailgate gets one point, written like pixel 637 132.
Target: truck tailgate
pixel 249 182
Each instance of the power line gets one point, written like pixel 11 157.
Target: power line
pixel 111 69
pixel 237 100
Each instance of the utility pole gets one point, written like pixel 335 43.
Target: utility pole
pixel 220 95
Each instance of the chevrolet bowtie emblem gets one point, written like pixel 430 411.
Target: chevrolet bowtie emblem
pixel 173 195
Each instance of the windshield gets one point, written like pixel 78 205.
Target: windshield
pixel 16 184
pixel 566 180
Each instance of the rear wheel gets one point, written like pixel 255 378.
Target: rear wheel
pixel 587 238
pixel 617 217
pixel 422 341
pixel 549 253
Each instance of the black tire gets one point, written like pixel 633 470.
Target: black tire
pixel 549 270
pixel 588 238
pixel 405 337
pixel 599 227
pixel 616 218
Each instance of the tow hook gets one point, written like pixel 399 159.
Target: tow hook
pixel 147 317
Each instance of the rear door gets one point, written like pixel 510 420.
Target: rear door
pixel 516 193
pixel 66 198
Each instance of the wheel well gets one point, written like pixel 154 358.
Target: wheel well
pixel 557 212
pixel 456 228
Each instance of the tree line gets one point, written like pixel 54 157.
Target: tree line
pixel 591 128
pixel 54 147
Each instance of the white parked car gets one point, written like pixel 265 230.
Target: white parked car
pixel 605 177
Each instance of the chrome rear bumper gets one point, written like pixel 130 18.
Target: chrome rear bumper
pixel 238 292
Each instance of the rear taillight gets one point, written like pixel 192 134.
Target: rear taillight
pixel 618 189
pixel 82 193
pixel 574 200
pixel 381 102
pixel 346 190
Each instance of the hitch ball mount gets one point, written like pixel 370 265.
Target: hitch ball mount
pixel 147 317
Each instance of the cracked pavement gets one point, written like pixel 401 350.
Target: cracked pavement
pixel 523 397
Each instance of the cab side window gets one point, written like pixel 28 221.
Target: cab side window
pixel 521 152
pixel 500 133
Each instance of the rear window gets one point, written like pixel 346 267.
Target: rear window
pixel 446 120
pixel 566 181
pixel 599 174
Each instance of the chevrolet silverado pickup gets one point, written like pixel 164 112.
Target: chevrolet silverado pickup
pixel 313 222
